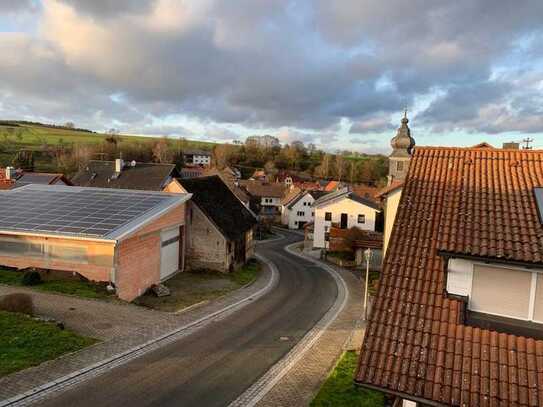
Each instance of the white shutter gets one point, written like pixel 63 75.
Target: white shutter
pixel 501 291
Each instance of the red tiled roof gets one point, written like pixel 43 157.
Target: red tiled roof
pixel 365 191
pixel 474 200
pixel 331 186
pixel 386 190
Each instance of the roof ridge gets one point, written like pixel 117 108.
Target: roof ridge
pixel 490 151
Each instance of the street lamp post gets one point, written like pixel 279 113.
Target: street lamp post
pixel 367 254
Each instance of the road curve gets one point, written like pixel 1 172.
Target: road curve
pixel 213 366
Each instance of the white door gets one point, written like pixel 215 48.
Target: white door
pixel 169 253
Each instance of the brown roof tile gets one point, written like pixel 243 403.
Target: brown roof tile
pixel 473 202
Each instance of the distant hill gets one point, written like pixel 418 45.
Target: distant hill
pixel 17 135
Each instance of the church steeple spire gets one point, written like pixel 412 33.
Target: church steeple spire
pixel 402 148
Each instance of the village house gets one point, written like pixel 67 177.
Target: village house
pixel 298 209
pixel 197 157
pixel 221 227
pixel 130 240
pixel 231 176
pixel 15 178
pixel 127 175
pixel 343 209
pixel 458 315
pixel 265 198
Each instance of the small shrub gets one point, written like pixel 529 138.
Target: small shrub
pixel 31 277
pixel 17 302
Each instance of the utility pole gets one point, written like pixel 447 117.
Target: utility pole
pixel 527 142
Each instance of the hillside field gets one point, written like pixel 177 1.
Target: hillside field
pixel 16 136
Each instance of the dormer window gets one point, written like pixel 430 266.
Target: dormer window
pixel 501 290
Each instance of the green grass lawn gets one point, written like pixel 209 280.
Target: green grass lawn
pixel 25 342
pixel 78 288
pixel 339 389
pixel 191 288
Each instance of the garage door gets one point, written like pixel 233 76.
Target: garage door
pixel 169 256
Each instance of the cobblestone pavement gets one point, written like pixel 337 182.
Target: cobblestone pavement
pixel 121 327
pixel 302 382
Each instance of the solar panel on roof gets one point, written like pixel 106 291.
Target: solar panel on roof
pixel 74 210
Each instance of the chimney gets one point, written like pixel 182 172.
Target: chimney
pixel 10 173
pixel 119 164
pixel 511 146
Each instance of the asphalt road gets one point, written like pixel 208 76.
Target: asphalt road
pixel 213 366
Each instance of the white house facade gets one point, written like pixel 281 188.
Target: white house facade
pixel 345 210
pixel 202 159
pixel 299 211
pixel 198 157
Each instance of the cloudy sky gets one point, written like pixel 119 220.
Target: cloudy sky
pixel 336 73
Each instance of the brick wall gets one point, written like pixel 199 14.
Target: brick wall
pixel 138 257
pixel 138 265
pixel 174 217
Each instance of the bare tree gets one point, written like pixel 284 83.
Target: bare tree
pixel 340 166
pixel 161 153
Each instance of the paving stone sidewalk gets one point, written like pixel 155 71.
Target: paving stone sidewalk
pixel 302 382
pixel 121 327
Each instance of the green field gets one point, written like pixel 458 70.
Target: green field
pixel 41 139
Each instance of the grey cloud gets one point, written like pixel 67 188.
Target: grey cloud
pixel 305 65
pixel 463 102
pixel 13 6
pixel 110 8
pixel 372 124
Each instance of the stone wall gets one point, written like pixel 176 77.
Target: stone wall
pixel 208 247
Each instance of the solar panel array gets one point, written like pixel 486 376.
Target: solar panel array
pixel 73 211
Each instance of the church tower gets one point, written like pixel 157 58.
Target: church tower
pixel 402 148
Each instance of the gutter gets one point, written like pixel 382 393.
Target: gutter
pixel 54 236
pixel 403 395
pixel 448 255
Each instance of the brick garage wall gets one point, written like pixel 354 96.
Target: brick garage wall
pixel 174 217
pixel 138 265
pixel 93 272
pixel 138 257
pixel 207 248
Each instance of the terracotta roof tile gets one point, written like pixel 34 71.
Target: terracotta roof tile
pixel 474 202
